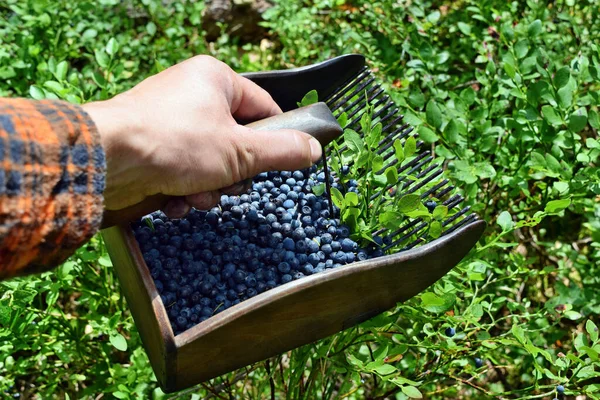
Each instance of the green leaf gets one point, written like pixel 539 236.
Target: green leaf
pixel 353 140
pixel 118 341
pixel 309 98
pixel 433 114
pixel 565 96
pixel 572 315
pixel 377 163
pixel 375 136
pixel 101 58
pixel 592 330
pixel 343 120
pixel 409 203
pixel 391 174
pixel 399 151
pixel 54 86
pixel 412 392
pixel 578 120
pixel 351 199
pixel 556 206
pixel 593 119
pixel 464 28
pixel 552 163
pixel 427 135
pixel 440 212
pixel 561 77
pixel 551 116
pixel 319 189
pixel 505 221
pixel 61 70
pixel 535 28
pixel 437 304
pixel 151 28
pixel 338 198
pixel 112 47
pixel 385 369
pixel 36 92
pixel 410 147
pixel 510 70
pixel 5 312
pixel 435 229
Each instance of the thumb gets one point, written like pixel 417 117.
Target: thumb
pixel 284 149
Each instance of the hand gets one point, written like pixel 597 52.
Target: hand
pixel 175 134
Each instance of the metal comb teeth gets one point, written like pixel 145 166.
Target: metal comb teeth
pixel 351 98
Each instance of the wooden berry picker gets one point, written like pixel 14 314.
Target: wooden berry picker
pixel 279 266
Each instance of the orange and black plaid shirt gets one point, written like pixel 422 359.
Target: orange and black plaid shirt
pixel 52 175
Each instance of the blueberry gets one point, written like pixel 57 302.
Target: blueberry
pixel 478 362
pixel 345 170
pixel 284 267
pixel 343 232
pixel 310 231
pixel 362 256
pixel 326 238
pixel 308 269
pixel 326 248
pixel 339 257
pixel 298 175
pixel 289 244
pixel 349 245
pixel 212 218
pixel 450 332
pixel 431 205
pixel 560 389
pixel 336 246
pixel 270 207
pixel 286 278
pixel 239 276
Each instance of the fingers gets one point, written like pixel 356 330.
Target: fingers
pixel 251 102
pixel 177 207
pixel 203 201
pixel 238 188
pixel 286 149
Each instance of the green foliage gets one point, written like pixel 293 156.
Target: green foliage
pixel 507 91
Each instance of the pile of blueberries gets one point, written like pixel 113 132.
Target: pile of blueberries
pixel 278 232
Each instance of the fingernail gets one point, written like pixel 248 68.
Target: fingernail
pixel 176 208
pixel 316 151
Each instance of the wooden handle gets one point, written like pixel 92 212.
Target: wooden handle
pixel 316 120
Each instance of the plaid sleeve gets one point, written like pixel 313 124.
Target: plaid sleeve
pixel 52 174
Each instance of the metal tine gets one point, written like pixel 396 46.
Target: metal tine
pixel 389 145
pixel 419 162
pixel 467 220
pixel 444 192
pixel 421 225
pixel 456 216
pixel 358 99
pixel 350 83
pixel 464 221
pixel 435 188
pixel 424 182
pixel 417 220
pixel 362 134
pixel 342 104
pixel 358 118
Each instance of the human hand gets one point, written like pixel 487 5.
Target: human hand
pixel 175 134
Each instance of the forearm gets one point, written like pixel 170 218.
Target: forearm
pixel 52 177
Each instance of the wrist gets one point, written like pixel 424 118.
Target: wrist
pixel 118 127
pixel 114 123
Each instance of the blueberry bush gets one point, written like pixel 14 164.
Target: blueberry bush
pixel 508 94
